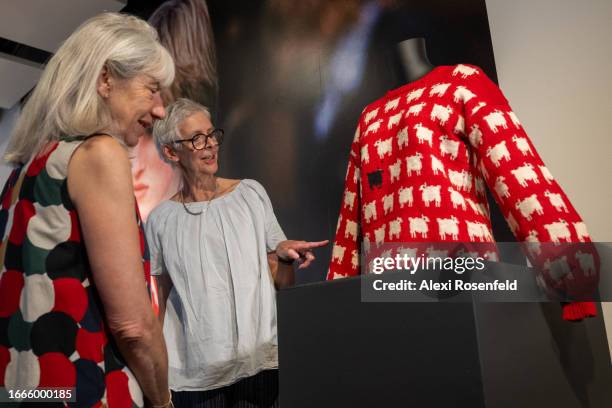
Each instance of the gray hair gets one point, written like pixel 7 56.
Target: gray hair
pixel 166 130
pixel 65 102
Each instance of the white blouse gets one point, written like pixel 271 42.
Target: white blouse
pixel 220 322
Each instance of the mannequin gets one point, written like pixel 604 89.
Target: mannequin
pixel 412 54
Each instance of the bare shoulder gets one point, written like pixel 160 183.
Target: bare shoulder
pixel 101 148
pixel 99 165
pixel 100 156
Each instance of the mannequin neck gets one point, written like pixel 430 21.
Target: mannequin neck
pixel 413 59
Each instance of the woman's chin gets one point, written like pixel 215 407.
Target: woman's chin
pixel 210 168
pixel 133 137
pixel 131 141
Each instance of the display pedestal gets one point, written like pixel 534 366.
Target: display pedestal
pixel 337 351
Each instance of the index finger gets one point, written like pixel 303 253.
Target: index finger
pixel 309 245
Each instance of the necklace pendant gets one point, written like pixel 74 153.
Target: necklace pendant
pixel 207 202
pixel 191 212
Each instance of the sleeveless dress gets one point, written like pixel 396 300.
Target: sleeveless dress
pixel 52 327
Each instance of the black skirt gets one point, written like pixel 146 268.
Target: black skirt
pixel 258 391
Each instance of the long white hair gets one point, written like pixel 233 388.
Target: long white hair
pixel 65 102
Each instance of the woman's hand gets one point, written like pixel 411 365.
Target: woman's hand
pixel 298 251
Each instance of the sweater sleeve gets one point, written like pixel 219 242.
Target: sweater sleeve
pixel 346 250
pixel 532 202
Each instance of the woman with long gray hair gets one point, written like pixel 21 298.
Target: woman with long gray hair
pixel 75 311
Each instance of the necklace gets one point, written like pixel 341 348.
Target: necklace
pixel 207 203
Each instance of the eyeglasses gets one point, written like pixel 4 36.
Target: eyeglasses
pixel 200 141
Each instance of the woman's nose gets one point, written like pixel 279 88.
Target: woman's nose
pixel 158 111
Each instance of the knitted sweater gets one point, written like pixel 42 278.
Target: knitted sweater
pixel 419 163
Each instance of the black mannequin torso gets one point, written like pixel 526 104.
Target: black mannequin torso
pixel 412 55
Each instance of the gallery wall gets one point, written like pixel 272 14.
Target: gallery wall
pixel 554 63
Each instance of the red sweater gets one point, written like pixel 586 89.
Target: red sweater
pixel 419 163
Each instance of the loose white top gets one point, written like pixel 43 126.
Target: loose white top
pixel 220 322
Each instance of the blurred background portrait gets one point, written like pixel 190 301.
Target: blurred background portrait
pixel 184 28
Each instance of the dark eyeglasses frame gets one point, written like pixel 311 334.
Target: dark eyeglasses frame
pixel 216 133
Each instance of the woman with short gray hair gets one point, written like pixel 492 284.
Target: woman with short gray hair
pixel 210 245
pixel 75 311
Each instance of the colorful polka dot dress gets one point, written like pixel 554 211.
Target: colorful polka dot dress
pixel 52 328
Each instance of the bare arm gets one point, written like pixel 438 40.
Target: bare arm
pixel 283 274
pixel 100 185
